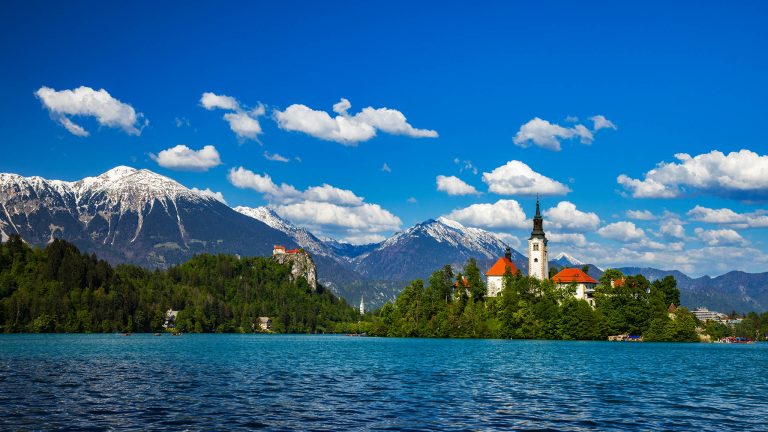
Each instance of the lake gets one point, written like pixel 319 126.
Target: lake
pixel 224 382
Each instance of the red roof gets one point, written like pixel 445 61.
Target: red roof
pixel 464 282
pixel 572 275
pixel 292 251
pixel 501 266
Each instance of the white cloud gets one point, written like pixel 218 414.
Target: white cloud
pixel 465 165
pixel 345 128
pixel 548 135
pixel 211 101
pixel 181 121
pixel 453 185
pixel 325 209
pixel 742 174
pixel 218 196
pixel 385 168
pixel 509 239
pixel 757 219
pixel 720 237
pixel 412 200
pixel 517 178
pixel 182 157
pixel 501 214
pixel 576 239
pixel 566 217
pixel 600 122
pixel 673 228
pixel 85 101
pixel 246 179
pixel 243 122
pixel 640 215
pixel 622 231
pixel 275 157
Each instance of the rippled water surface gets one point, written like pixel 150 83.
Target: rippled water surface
pixel 216 382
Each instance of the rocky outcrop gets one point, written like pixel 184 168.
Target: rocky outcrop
pixel 301 265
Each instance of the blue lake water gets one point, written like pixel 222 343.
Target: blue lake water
pixel 217 382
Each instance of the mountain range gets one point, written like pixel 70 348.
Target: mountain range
pixel 135 216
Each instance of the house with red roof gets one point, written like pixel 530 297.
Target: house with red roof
pixel 495 275
pixel 585 284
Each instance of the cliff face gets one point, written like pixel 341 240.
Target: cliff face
pixel 301 265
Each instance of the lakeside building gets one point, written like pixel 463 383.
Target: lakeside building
pixel 495 275
pixel 585 284
pixel 281 250
pixel 703 314
pixel 265 323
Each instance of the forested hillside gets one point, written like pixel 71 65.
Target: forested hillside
pixel 59 289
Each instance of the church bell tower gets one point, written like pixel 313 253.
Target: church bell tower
pixel 538 259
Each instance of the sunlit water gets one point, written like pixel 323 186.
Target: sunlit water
pixel 218 382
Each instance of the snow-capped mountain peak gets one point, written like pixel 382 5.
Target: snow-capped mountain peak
pixel 565 259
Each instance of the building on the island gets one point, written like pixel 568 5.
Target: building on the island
pixel 585 284
pixel 170 319
pixel 281 250
pixel 538 259
pixel 671 310
pixel 703 314
pixel 362 306
pixel 265 323
pixel 495 275
pixel 617 282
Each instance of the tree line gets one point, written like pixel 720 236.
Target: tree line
pixel 60 289
pixel 456 305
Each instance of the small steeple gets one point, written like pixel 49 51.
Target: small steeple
pixel 362 306
pixel 538 222
pixel 508 253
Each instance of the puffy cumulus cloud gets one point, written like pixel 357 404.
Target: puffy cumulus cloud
pixel 576 239
pixel 345 128
pixel 453 185
pixel 672 228
pixel 242 121
pixel 720 237
pixel 334 195
pixel 517 178
pixel 742 174
pixel 275 157
pixel 644 215
pixel 548 135
pixel 207 192
pixel 363 218
pixel 501 214
pixel 622 231
pixel 182 157
pixel 566 217
pixel 724 216
pixel 87 102
pixel 211 101
pixel 263 184
pixel 245 124
pixel 325 209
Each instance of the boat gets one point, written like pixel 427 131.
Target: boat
pixel 735 340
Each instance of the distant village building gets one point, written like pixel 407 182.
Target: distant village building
pixel 265 323
pixel 585 284
pixel 703 314
pixel 281 250
pixel 170 319
pixel 495 275
pixel 538 259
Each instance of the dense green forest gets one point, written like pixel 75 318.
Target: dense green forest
pixel 529 308
pixel 59 289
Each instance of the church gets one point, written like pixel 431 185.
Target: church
pixel 538 266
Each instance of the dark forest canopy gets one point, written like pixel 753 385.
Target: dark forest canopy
pixel 59 289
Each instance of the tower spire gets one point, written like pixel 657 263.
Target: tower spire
pixel 538 222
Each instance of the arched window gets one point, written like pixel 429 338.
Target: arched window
pixel 535 260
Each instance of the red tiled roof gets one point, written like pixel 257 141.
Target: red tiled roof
pixel 617 282
pixel 572 275
pixel 500 267
pixel 279 247
pixel 464 282
pixel 293 251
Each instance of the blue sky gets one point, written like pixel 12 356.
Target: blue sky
pixel 669 79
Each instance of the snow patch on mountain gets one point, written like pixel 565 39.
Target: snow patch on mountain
pixel 565 259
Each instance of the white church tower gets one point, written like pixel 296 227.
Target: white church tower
pixel 538 259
